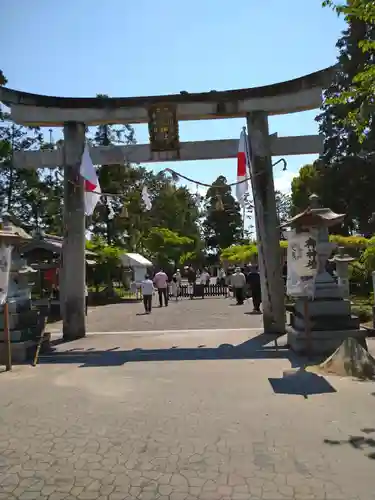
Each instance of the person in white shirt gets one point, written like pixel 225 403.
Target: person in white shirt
pixel 238 283
pixel 161 283
pixel 204 277
pixel 147 287
pixel 204 280
pixel 221 277
pixel 176 284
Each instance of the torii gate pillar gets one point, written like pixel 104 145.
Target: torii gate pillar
pixel 73 264
pixel 268 233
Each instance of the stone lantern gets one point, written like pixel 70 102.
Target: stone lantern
pixel 327 321
pixel 342 261
pixel 24 322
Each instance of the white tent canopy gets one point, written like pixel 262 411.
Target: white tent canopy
pixel 135 260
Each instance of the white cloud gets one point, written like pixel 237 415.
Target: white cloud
pixel 283 181
pixel 194 189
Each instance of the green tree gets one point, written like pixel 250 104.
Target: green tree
pixel 33 197
pixel 344 175
pixel 121 219
pixel 304 185
pixel 3 80
pixel 340 136
pixel 222 224
pixel 283 208
pixel 166 247
pixel 108 262
pixel 113 179
pixel 15 184
pixel 357 96
pixel 345 186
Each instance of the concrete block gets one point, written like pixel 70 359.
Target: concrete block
pixel 325 307
pixel 327 322
pixel 322 342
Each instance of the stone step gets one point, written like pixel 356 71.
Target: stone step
pixel 24 350
pixel 20 320
pixel 325 307
pixel 325 322
pixel 322 342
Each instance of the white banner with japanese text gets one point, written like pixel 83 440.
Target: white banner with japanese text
pixel 5 263
pixel 302 264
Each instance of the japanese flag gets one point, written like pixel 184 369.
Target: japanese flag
pixel 91 182
pixel 242 188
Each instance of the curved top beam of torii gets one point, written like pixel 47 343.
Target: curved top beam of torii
pixel 291 96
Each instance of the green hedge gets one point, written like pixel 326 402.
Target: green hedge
pixel 354 245
pixel 362 249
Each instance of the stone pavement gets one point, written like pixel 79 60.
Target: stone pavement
pixel 182 416
pixel 211 312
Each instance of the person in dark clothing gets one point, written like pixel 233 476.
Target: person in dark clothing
pixel 253 280
pixel 191 275
pixel 285 274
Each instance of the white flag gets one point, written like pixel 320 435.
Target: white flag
pixel 91 182
pixel 146 198
pixel 5 263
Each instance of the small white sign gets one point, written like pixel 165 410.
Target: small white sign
pixel 302 264
pixel 5 263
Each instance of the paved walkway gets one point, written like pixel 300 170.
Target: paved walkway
pixel 196 416
pixel 208 313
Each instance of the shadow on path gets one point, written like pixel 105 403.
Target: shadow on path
pixel 364 443
pixel 254 348
pixel 301 383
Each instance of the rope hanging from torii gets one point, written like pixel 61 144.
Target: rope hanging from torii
pixel 177 175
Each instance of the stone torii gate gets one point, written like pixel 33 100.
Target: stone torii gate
pixel 162 113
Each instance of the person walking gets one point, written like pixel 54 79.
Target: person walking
pixel 221 277
pixel 192 277
pixel 253 280
pixel 176 284
pixel 238 284
pixel 204 279
pixel 161 283
pixel 147 287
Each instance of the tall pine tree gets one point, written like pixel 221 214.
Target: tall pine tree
pixel 362 88
pixel 347 166
pixel 222 225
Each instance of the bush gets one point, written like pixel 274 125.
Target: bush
pixel 355 242
pixel 363 312
pixel 358 277
pixel 368 259
pixel 239 253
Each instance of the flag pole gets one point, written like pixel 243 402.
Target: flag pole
pixel 7 256
pixel 243 220
pixel 8 360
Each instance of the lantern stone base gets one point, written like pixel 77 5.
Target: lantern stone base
pixel 23 351
pixel 323 342
pixel 25 329
pixel 330 322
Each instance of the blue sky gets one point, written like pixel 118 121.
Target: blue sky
pixel 144 47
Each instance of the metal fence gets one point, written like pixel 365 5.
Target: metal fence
pixel 199 290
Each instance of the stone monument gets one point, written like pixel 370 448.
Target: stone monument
pixel 326 322
pixel 25 322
